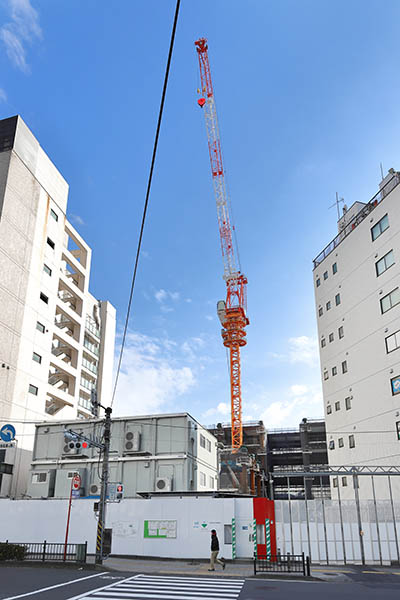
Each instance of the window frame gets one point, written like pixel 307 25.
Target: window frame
pixel 329 409
pixel 344 481
pixel 337 405
pixel 47 269
pixel 51 243
pixel 380 227
pixel 318 282
pixel 35 354
pixel 396 336
pixel 320 311
pixel 389 295
pixel 40 328
pixel 347 402
pixel 331 444
pixel 323 342
pixel 334 371
pixel 337 299
pixel 202 441
pixel 325 275
pixel 33 389
pixel 352 441
pixel 331 337
pixel 384 262
pixel 341 332
pixel 326 375
pixel 334 268
pixel 328 305
pixel 53 214
pixel 44 298
pixel 344 367
pixel 203 478
pixel 340 442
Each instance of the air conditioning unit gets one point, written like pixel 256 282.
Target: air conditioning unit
pixel 132 442
pixel 164 484
pixel 94 489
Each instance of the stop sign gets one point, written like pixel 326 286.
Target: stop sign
pixel 76 482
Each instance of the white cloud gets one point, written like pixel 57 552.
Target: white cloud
pixel 21 30
pixel 209 318
pixel 3 96
pixel 302 349
pixel 223 409
pixel 152 377
pixel 299 401
pixel 77 220
pixel 160 295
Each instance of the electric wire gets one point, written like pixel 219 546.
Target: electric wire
pixel 147 196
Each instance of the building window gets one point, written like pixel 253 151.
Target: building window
pixel 347 402
pixel 202 479
pixel 51 243
pixel 390 300
pixel 332 445
pixel 341 332
pixel 54 214
pixel 335 481
pixel 318 282
pixel 37 357
pixel 211 482
pixel 395 385
pixel 40 327
pixel 337 299
pixel 352 442
pixel 208 445
pixel 202 441
pixel 340 442
pixel 384 263
pixel 344 481
pixel 393 342
pixel 320 311
pixel 380 227
pixel 325 275
pixel 337 405
pixel 47 270
pixel 331 337
pixel 398 430
pixel 334 268
pixel 323 343
pixel 334 371
pixel 328 305
pixel 39 477
pixel 326 375
pixel 44 298
pixel 344 366
pixel 329 409
pixel 33 389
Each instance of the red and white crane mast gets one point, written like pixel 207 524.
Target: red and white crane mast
pixel 232 312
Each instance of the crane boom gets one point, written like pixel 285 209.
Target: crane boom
pixel 232 312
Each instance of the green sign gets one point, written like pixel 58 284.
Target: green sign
pixel 160 529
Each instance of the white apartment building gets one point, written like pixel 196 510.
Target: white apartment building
pixel 154 453
pixel 357 294
pixel 56 339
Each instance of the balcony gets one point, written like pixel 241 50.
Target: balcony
pixel 92 328
pixel 90 366
pixel 91 347
pixel 88 384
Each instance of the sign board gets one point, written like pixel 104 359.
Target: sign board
pixel 396 385
pixel 76 493
pixel 7 445
pixel 7 433
pixel 160 529
pixel 76 482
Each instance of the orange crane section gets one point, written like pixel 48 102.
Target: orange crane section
pixel 232 311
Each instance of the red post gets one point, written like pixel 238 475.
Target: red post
pixel 68 518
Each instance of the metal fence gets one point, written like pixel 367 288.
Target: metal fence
pixel 45 551
pixel 282 563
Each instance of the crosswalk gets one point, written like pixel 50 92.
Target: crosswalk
pixel 168 588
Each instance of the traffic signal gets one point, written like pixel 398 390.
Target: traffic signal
pixel 120 491
pixel 77 445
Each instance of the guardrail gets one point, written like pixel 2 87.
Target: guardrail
pixel 282 563
pixel 52 552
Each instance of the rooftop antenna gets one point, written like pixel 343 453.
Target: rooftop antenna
pixel 337 203
pixel 381 170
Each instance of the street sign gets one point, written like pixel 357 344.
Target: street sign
pixel 76 482
pixel 7 433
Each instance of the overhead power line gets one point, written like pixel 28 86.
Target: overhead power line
pixel 160 114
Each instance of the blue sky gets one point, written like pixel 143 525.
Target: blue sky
pixel 307 95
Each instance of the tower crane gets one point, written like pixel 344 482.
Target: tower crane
pixel 232 311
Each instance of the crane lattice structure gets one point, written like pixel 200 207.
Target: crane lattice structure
pixel 232 312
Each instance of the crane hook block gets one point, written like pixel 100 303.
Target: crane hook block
pixel 201 102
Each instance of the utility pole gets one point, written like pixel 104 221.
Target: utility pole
pixel 104 485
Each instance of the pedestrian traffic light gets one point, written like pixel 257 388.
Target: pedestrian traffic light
pixel 120 491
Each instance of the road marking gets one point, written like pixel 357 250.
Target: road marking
pixel 103 587
pixel 52 587
pixel 378 572
pixel 167 588
pixel 329 571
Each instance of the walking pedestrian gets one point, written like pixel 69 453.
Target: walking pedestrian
pixel 214 552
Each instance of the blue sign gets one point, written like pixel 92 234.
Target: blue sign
pixel 7 433
pixel 396 385
pixel 76 493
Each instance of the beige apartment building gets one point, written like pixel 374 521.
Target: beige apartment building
pixel 56 339
pixel 357 294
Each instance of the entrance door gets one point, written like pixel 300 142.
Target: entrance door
pixel 244 538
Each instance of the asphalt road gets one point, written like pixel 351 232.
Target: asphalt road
pixel 73 584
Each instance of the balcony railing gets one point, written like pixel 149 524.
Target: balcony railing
pixel 92 328
pixel 89 385
pixel 92 347
pixel 89 365
pixel 358 218
pixel 85 403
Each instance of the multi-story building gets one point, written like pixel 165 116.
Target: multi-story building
pixel 156 453
pixel 56 339
pixel 291 450
pixel 357 294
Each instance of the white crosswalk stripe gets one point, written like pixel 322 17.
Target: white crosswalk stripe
pixel 168 588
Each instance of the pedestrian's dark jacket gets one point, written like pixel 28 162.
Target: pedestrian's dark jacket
pixel 214 543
